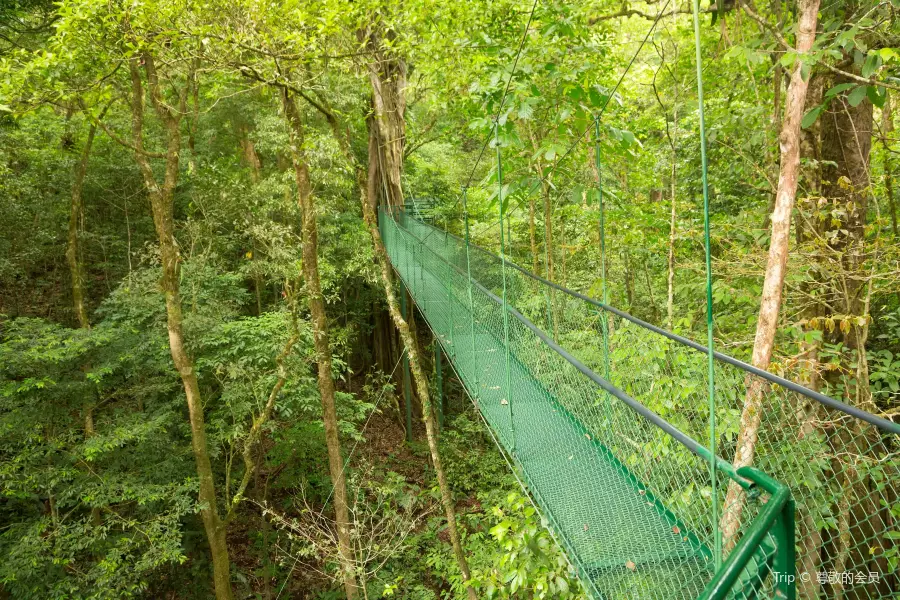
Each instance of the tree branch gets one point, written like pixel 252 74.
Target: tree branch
pixel 785 45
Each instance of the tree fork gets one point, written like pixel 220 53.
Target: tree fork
pixel 162 204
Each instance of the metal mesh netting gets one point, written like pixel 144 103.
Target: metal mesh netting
pixel 843 469
pixel 628 501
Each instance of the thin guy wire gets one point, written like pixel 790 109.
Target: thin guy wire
pixel 346 462
pixel 512 73
pixel 361 431
pixel 588 128
pixel 717 532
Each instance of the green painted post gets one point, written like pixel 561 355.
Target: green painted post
pixel 695 9
pixel 407 387
pixel 508 388
pixel 439 381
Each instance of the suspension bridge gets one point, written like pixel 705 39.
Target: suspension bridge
pixel 572 389
pixel 575 391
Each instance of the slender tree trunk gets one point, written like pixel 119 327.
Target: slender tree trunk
pixel 321 340
pixel 162 197
pixel 629 279
pixel 670 279
pixel 809 535
pixel 73 251
pixel 73 247
pixel 421 381
pixel 887 128
pixel 770 304
pixel 549 269
pixel 532 238
pixel 670 262
pixel 370 218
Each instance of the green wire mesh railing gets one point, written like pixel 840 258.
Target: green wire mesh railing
pixel 625 492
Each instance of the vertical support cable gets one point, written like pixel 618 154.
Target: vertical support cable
pixel 439 384
pixel 407 387
pixel 508 388
pixel 604 322
pixel 471 301
pixel 449 283
pixel 695 9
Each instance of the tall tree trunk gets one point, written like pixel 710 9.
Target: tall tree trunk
pixel 162 198
pixel 73 246
pixel 629 279
pixel 549 269
pixel 770 304
pixel 387 75
pixel 370 218
pixel 387 140
pixel 846 146
pixel 421 381
pixel 670 261
pixel 321 340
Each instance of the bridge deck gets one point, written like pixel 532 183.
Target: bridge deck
pixel 621 537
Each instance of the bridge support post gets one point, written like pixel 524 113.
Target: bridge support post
pixel 407 386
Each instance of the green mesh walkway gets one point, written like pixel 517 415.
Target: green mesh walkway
pixel 624 497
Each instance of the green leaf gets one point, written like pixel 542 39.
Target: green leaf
pixel 577 192
pixel 872 64
pixel 810 117
pixel 841 87
pixel 856 96
pixel 877 95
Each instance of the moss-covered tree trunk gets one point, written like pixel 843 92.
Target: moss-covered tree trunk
pixel 321 340
pixel 73 244
pixel 162 199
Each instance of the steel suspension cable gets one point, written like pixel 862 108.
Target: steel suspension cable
pixel 582 135
pixel 695 9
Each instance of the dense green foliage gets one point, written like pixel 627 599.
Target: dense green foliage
pixel 98 481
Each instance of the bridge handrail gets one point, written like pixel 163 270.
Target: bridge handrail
pixel 685 440
pixel 880 422
pixel 777 518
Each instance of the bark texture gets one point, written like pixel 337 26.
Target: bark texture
pixel 846 186
pixel 162 197
pixel 73 245
pixel 770 304
pixel 321 340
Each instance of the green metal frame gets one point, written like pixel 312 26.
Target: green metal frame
pixel 775 520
